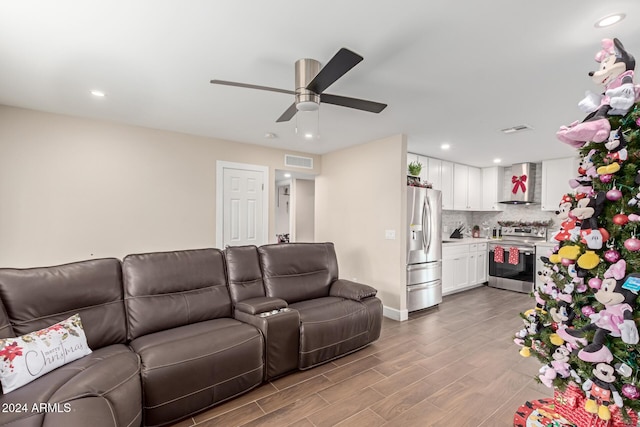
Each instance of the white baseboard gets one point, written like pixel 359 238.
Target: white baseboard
pixel 392 313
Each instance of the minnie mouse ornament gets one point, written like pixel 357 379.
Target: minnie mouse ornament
pixel 569 226
pixel 616 75
pixel 616 319
pixel 558 366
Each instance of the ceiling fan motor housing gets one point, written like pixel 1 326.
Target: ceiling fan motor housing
pixel 306 70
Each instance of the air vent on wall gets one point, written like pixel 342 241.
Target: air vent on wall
pixel 515 129
pixel 298 161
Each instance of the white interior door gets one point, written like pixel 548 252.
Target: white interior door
pixel 242 216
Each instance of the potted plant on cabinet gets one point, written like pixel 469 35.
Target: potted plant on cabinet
pixel 413 178
pixel 415 168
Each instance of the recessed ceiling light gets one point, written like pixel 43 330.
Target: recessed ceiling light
pixel 287 175
pixel 497 160
pixel 270 135
pixel 308 136
pixel 98 93
pixel 609 20
pixel 445 146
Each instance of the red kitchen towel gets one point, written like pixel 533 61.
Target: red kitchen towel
pixel 514 256
pixel 498 254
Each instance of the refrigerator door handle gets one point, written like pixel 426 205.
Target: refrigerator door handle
pixel 426 215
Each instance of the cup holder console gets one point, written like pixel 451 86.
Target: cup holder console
pixel 272 312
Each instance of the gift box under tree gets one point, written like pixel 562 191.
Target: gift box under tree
pixel 571 405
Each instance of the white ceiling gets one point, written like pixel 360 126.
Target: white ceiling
pixel 453 71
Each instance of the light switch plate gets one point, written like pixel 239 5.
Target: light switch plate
pixel 390 234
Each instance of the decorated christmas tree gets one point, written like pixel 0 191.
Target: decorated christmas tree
pixel 583 328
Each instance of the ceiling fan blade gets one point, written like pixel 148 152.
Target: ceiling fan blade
pixel 337 66
pixel 358 104
pixel 248 86
pixel 288 115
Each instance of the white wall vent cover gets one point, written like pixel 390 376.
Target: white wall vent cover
pixel 298 161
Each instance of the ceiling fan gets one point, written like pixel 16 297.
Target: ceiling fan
pixel 311 82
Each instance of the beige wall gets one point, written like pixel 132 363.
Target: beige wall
pixel 360 194
pixel 302 210
pixel 73 189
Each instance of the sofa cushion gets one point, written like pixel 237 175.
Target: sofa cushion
pixel 35 298
pixel 6 331
pixel 331 327
pixel 26 358
pixel 245 275
pixel 164 290
pixel 190 368
pixel 107 381
pixel 298 271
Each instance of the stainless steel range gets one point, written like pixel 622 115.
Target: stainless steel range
pixel 512 259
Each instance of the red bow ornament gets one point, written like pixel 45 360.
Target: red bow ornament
pixel 519 182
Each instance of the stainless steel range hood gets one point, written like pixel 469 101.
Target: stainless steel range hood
pixel 521 184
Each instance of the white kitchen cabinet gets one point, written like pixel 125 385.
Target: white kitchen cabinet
pixel 474 191
pixel 455 268
pixel 467 188
pixel 434 172
pixel 492 188
pixel 556 174
pixel 472 267
pixel 463 266
pixel 439 174
pixel 446 176
pixel 482 264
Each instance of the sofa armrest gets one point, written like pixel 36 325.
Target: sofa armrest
pixel 260 305
pixel 351 290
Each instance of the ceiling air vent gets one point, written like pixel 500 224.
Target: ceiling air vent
pixel 298 161
pixel 515 129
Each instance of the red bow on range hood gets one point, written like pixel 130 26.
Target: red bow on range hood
pixel 522 184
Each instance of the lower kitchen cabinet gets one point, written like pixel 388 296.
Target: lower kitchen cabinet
pixel 483 264
pixel 463 266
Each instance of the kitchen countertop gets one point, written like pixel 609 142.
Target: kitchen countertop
pixel 464 241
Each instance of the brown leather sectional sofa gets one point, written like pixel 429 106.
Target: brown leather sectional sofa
pixel 174 333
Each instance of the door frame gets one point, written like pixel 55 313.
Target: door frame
pixel 221 165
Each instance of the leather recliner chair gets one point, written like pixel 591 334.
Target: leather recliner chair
pixel 300 281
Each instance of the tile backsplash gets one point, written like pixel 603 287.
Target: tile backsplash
pixel 531 213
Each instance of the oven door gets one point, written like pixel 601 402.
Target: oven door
pixel 512 267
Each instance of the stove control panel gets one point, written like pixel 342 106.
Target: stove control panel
pixel 525 232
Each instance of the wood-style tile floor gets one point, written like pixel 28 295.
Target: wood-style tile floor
pixel 455 365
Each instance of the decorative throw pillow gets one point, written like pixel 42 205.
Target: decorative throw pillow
pixel 25 358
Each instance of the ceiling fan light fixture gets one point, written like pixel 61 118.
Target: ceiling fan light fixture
pixel 307 106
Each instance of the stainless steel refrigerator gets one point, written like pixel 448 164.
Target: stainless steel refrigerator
pixel 424 248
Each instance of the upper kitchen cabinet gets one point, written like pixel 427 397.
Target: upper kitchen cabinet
pixel 556 174
pixel 440 174
pixel 467 188
pixel 492 186
pixel 446 174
